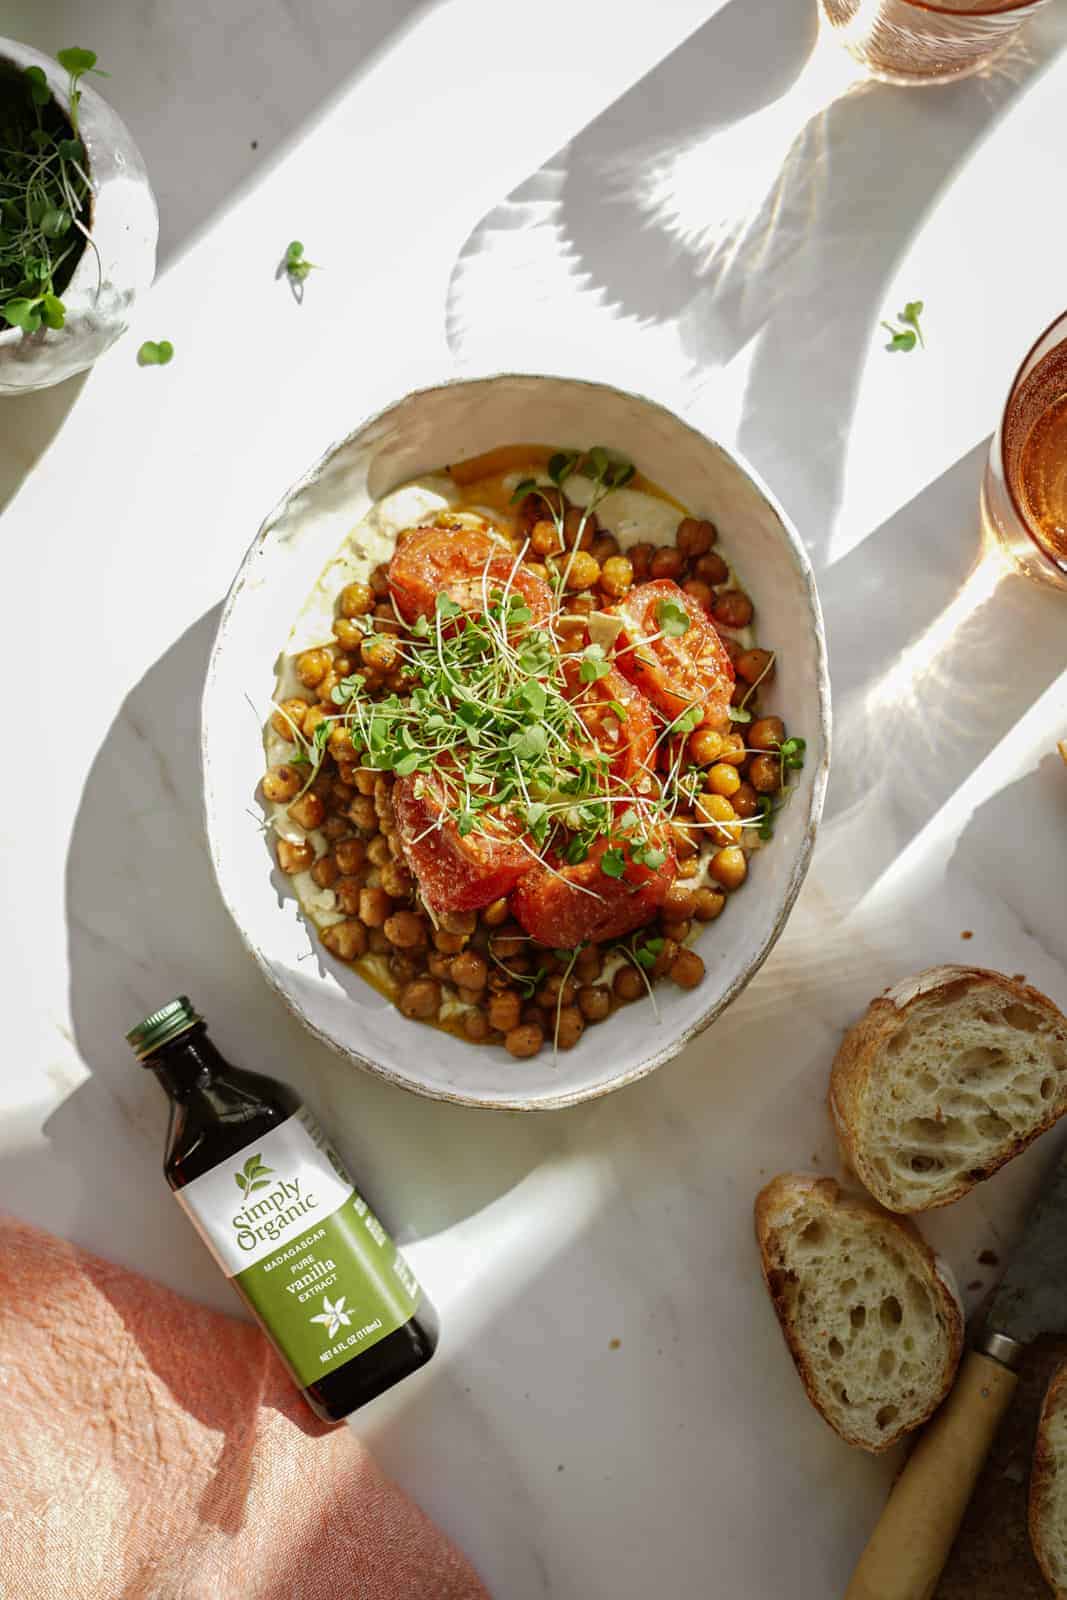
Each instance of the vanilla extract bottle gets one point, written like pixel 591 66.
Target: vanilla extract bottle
pixel 275 1206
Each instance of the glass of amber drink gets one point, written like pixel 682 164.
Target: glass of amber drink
pixel 916 42
pixel 1024 493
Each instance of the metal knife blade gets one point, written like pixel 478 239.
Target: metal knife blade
pixel 1031 1298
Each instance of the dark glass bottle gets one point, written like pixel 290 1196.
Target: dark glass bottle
pixel 301 1233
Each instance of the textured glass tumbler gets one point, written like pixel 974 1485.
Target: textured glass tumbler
pixel 913 42
pixel 1024 492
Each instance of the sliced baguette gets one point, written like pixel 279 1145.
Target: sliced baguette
pixel 947 1076
pixel 871 1316
pixel 1048 1486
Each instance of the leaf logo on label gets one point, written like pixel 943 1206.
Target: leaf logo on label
pixel 253 1175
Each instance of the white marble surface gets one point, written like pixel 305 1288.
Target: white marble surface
pixel 505 186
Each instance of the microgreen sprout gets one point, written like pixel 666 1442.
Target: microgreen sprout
pixel 904 338
pixel 155 353
pixel 45 195
pixel 297 268
pixel 672 618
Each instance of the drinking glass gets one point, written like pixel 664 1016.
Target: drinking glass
pixel 915 42
pixel 1024 493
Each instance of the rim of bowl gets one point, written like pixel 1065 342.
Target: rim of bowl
pixel 820 774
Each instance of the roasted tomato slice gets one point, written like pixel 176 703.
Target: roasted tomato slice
pixel 455 872
pixel 553 908
pixel 674 667
pixel 464 563
pixel 617 715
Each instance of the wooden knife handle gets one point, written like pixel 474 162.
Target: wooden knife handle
pixel 910 1544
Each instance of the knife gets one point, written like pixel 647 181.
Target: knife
pixel 910 1544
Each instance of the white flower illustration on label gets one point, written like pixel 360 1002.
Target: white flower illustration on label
pixel 333 1316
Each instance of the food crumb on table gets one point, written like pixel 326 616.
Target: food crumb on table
pixel 967 934
pixel 989 1258
pixel 615 1343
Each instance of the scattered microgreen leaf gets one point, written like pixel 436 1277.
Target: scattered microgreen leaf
pixel 613 863
pixel 155 353
pixel 673 618
pixel 906 336
pixel 593 665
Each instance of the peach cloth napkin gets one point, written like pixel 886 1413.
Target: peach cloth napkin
pixel 151 1449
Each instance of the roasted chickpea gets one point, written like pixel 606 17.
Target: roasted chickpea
pixel 733 609
pixel 308 811
pixel 525 1040
pixel 568 1027
pixel 729 867
pixel 395 879
pixel 679 902
pixel 662 964
pixel 766 733
pixel 349 634
pixel 475 1025
pixel 545 539
pixel 701 592
pixel 347 940
pixel 348 890
pixel 755 666
pixel 459 921
pixel 507 943
pixel 378 581
pixel 312 666
pixel 604 546
pixel 438 965
pixel 403 968
pixel 420 998
pixel 590 964
pixel 325 871
pixel 616 576
pixel 723 779
pixel 450 943
pixel 667 563
pixel 548 995
pixel 594 1001
pixel 687 969
pixel 312 717
pixel 716 809
pixel 688 867
pixel 705 746
pixel 538 568
pixel 377 943
pixel 685 838
pixel 580 605
pixel 335 827
pixel 710 903
pixel 745 801
pixel 495 914
pixel 356 598
pixel 765 774
pixel 381 652
pixel 405 929
pixel 628 984
pixel 373 907
pixel 295 855
pixel 641 559
pixel 695 536
pixel 581 570
pixel 363 814
pixel 676 932
pixel 378 850
pixel 351 854
pixel 470 970
pixel 733 750
pixel 326 688
pixel 711 568
pixel 365 778
pixel 468 997
pixel 339 743
pixel 572 521
pixel 281 783
pixel 505 1009
pixel 287 720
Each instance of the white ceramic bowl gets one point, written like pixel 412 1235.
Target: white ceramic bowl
pixel 124 225
pixel 419 433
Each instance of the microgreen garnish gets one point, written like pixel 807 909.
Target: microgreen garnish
pixel 155 354
pixel 904 338
pixel 613 863
pixel 673 618
pixel 45 195
pixel 647 952
pixel 765 812
pixel 297 268
pixel 593 664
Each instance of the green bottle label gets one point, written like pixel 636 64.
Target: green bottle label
pixel 286 1223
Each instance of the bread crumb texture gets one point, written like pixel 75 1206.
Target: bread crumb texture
pixel 871 1318
pixel 944 1080
pixel 1048 1486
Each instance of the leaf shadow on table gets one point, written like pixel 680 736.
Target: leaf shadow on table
pixel 170 76
pixel 144 922
pixel 28 425
pixel 742 193
pixel 930 671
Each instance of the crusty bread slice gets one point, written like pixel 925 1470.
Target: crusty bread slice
pixel 871 1316
pixel 947 1076
pixel 1048 1486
